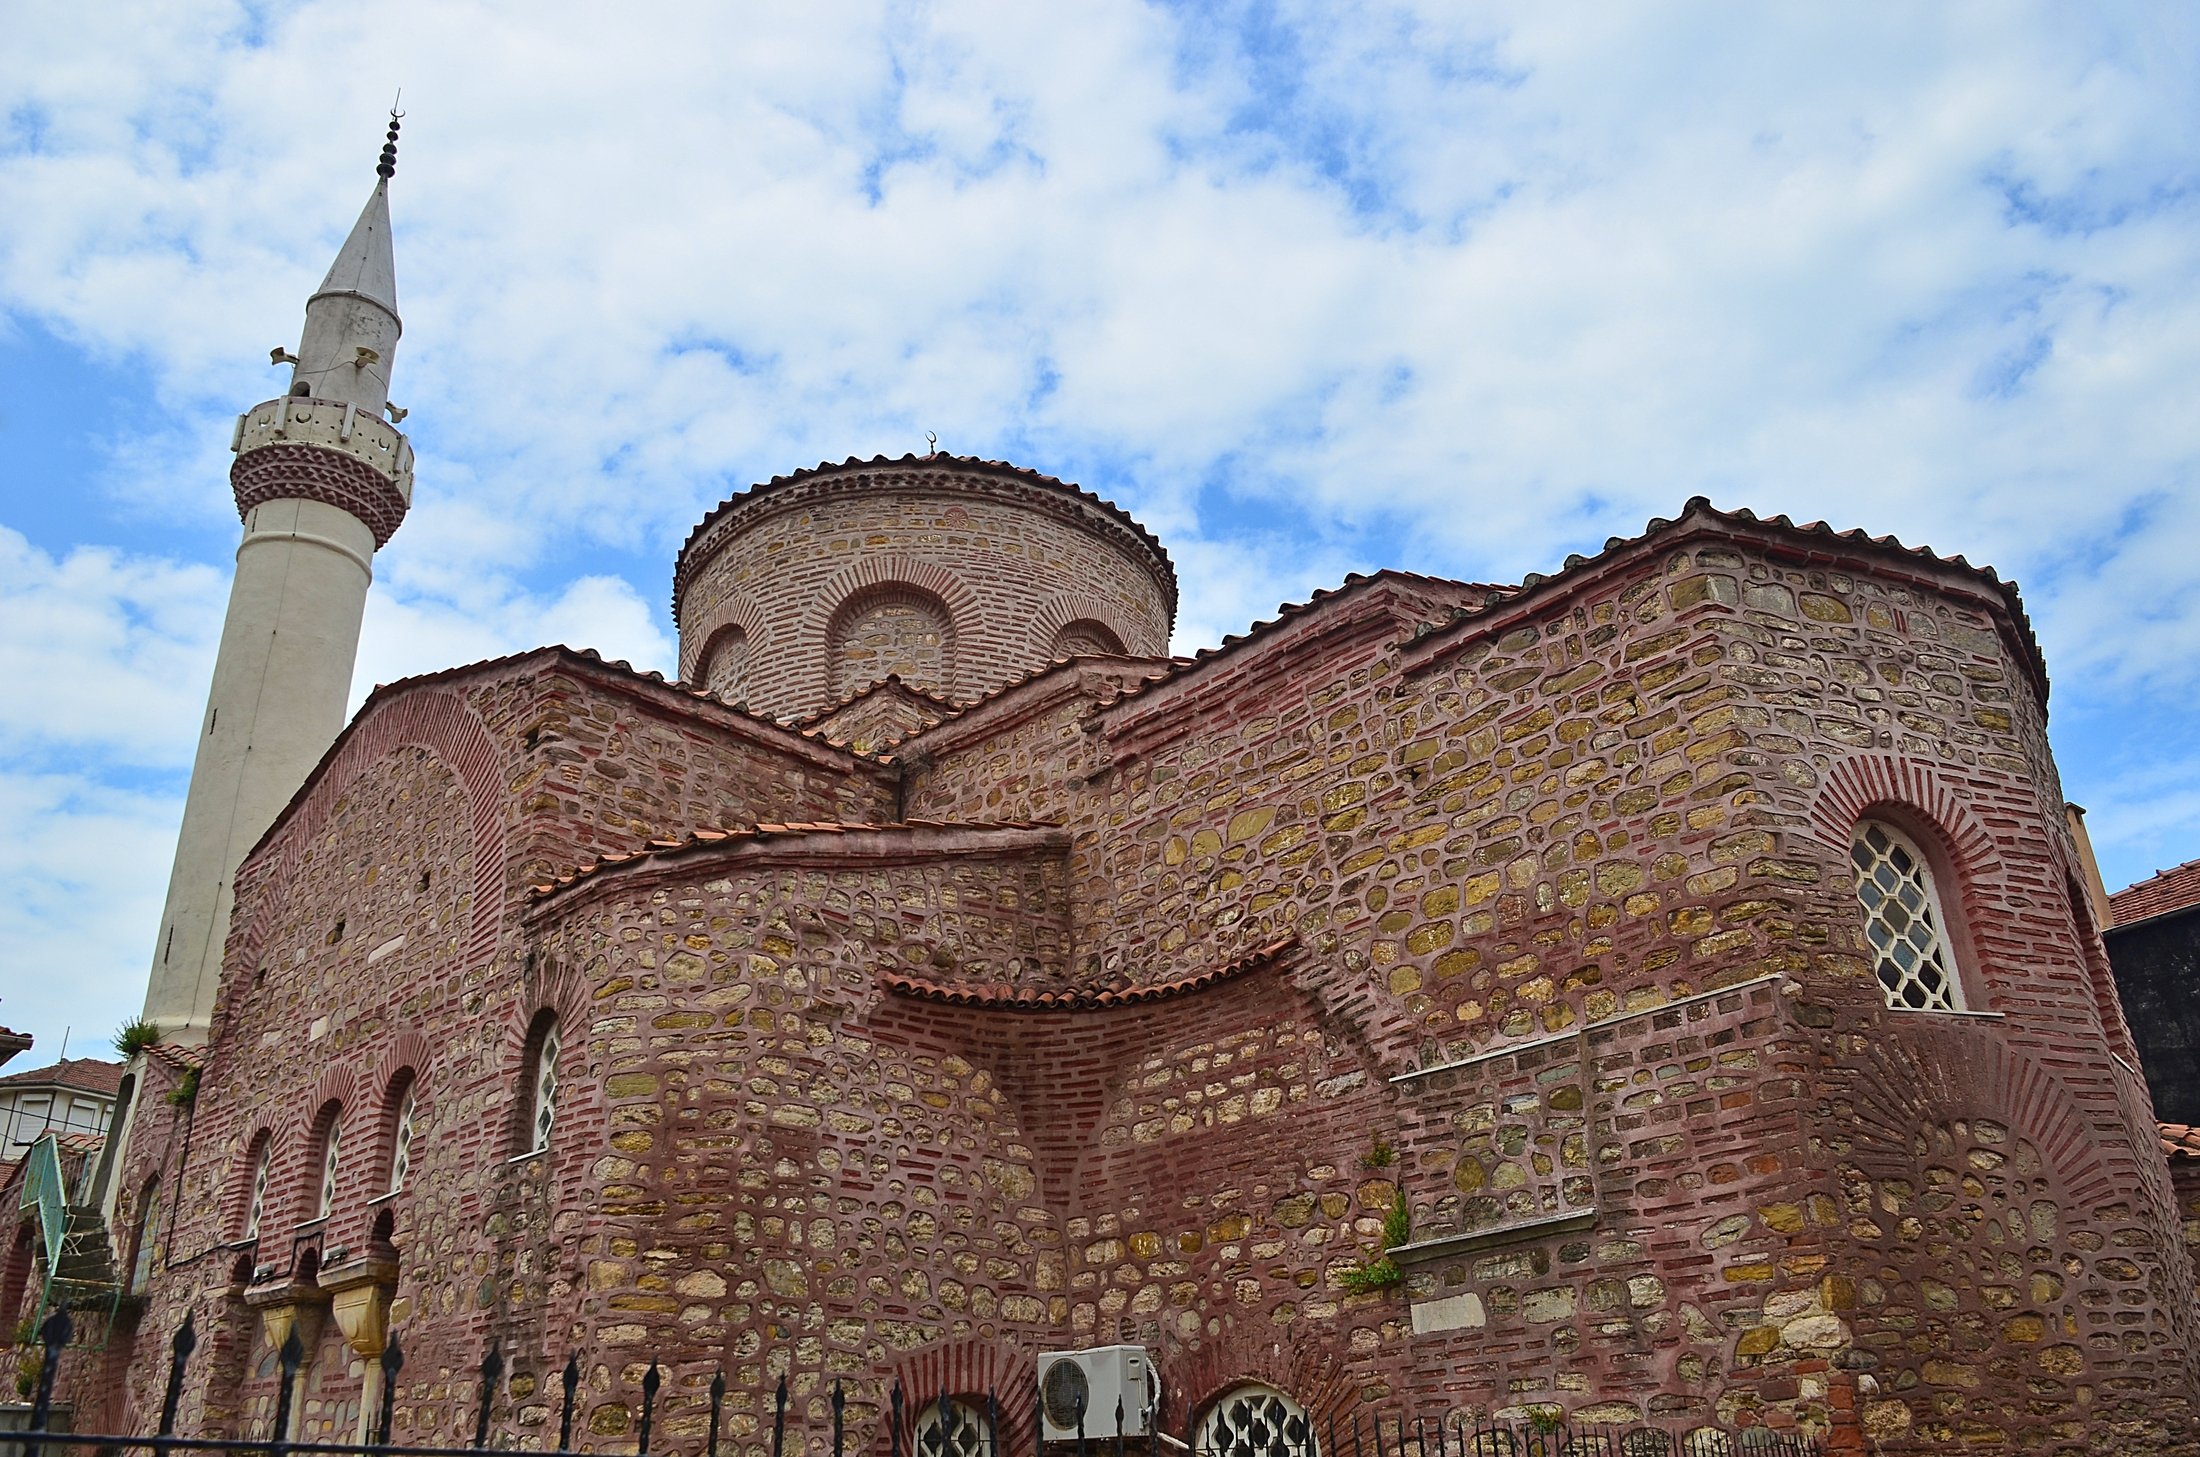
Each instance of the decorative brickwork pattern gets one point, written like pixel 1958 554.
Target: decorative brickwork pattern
pixel 985 568
pixel 1126 1001
pixel 314 473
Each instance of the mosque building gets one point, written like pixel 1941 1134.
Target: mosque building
pixel 1665 991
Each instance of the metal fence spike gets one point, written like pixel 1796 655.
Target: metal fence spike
pixel 393 1361
pixel 779 1419
pixel 893 1429
pixel 492 1366
pixel 651 1380
pixel 572 1380
pixel 717 1408
pixel 179 1354
pixel 840 1429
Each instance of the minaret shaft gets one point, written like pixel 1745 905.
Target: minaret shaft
pixel 280 683
pixel 321 481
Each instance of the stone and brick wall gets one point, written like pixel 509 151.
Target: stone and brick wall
pixel 1531 909
pixel 956 575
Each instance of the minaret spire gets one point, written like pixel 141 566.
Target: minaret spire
pixel 322 479
pixel 351 320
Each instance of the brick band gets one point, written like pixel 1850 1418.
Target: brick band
pixel 311 473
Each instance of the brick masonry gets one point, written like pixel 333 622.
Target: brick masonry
pixel 956 575
pixel 1123 1004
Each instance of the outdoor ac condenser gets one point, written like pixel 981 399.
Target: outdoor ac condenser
pixel 1098 1379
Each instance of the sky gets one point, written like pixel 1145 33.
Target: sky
pixel 1308 288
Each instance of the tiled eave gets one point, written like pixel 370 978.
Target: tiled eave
pixel 1079 999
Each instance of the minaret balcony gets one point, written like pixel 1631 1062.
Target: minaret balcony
pixel 331 425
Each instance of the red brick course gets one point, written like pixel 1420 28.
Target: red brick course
pixel 1122 1005
pixel 955 574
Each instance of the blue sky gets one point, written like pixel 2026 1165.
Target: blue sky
pixel 1308 288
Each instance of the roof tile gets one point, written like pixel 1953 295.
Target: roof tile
pixel 2175 889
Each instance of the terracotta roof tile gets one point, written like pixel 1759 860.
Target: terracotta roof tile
pixel 2180 1141
pixel 1075 999
pixel 85 1074
pixel 1163 667
pixel 666 849
pixel 81 1142
pixel 174 1054
pixel 891 683
pixel 1288 611
pixel 1813 532
pixel 2175 889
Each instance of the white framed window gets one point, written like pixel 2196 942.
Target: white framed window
pixel 1255 1421
pixel 962 1431
pixel 1903 921
pixel 258 1204
pixel 331 1151
pixel 545 1088
pixel 401 1142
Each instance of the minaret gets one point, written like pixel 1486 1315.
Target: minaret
pixel 322 480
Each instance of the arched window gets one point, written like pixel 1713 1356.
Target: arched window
pixel 332 1152
pixel 1085 638
pixel 256 1201
pixel 952 1427
pixel 1255 1421
pixel 725 663
pixel 148 1225
pixel 543 1084
pixel 401 1132
pixel 891 629
pixel 1903 921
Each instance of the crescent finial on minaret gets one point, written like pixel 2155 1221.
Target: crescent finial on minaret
pixel 387 167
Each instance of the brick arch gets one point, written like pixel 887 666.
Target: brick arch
pixel 1861 783
pixel 1913 797
pixel 722 636
pixel 546 985
pixel 408 1056
pixel 1059 611
pixel 441 723
pixel 806 653
pixel 236 1198
pixel 967 1368
pixel 288 1187
pixel 1306 1371
pixel 728 616
pixel 1932 1069
pixel 407 1050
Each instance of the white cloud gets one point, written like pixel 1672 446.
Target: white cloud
pixel 110 654
pixel 1288 282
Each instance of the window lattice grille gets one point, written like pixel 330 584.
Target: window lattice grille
pixel 546 1087
pixel 331 1151
pixel 963 1433
pixel 1902 921
pixel 259 1195
pixel 1256 1421
pixel 401 1147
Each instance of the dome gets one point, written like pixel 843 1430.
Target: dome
pixel 952 574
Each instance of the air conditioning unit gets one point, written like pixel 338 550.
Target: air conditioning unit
pixel 1093 1382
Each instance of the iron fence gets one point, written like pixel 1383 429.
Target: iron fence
pixel 947 1425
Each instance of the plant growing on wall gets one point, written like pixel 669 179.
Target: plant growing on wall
pixel 135 1035
pixel 1380 1271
